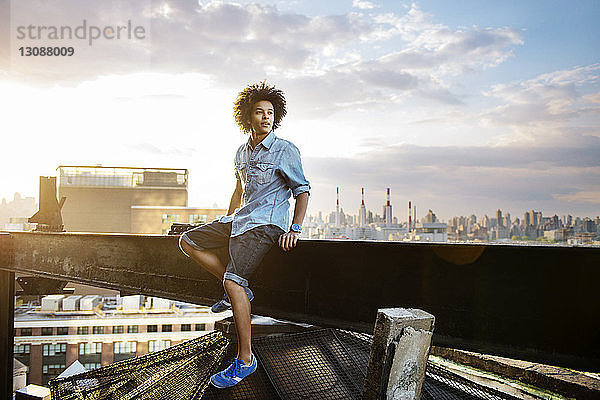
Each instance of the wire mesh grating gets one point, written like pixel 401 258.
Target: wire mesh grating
pixel 317 364
pixel 311 365
pixel 180 372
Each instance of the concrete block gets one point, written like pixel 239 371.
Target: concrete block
pixel 399 353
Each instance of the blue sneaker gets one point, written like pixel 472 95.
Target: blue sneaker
pixel 233 374
pixel 224 304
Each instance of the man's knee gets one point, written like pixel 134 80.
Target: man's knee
pixel 229 284
pixel 184 246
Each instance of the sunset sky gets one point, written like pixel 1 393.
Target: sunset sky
pixel 462 107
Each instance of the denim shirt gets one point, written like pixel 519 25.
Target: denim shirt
pixel 270 173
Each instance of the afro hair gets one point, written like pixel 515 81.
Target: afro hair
pixel 253 94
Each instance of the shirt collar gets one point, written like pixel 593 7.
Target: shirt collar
pixel 266 142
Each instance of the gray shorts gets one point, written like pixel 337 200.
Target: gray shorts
pixel 242 254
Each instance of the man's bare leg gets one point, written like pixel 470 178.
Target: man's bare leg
pixel 207 260
pixel 241 315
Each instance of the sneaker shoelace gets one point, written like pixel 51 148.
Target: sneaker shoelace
pixel 233 369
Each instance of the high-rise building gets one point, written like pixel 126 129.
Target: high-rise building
pixel 537 218
pixel 527 219
pixel 485 221
pixel 362 213
pixel 337 208
pixel 507 221
pixel 472 219
pixel 430 217
pixel 499 219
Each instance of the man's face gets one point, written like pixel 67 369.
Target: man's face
pixel 261 117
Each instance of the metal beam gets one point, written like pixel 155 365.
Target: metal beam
pixel 7 315
pixel 537 303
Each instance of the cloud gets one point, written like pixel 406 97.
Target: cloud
pixel 550 99
pixel 363 5
pixel 582 196
pixel 472 179
pixel 149 148
pixel 232 43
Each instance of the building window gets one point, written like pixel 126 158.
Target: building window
pixel 82 330
pixel 118 329
pixel 26 332
pixel 98 330
pixel 200 327
pixel 170 218
pixel 90 366
pixel 47 331
pixel 167 328
pixel 54 349
pixel 90 348
pixel 152 328
pixel 62 330
pixel 53 369
pixel 186 327
pixel 132 329
pixel 157 345
pixel 22 349
pixel 198 218
pixel 124 347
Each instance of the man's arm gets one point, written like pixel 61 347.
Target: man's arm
pixel 288 240
pixel 236 198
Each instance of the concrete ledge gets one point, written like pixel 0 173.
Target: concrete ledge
pixel 563 381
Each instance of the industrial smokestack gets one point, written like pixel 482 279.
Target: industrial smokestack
pixel 415 214
pixel 337 207
pixel 387 211
pixel 409 216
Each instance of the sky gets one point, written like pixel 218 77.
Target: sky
pixel 460 107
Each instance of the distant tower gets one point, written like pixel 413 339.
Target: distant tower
pixel 499 218
pixel 362 214
pixel 337 207
pixel 415 214
pixel 387 210
pixel 409 216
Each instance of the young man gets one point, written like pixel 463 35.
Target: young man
pixel 268 172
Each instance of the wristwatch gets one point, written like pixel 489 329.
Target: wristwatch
pixel 296 228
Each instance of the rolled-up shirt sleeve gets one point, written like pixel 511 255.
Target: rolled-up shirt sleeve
pixel 292 172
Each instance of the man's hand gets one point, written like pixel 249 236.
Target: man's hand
pixel 288 240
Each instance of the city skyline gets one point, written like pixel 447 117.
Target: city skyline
pixel 491 105
pixel 29 203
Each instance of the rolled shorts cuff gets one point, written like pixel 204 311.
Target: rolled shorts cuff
pixel 189 241
pixel 236 278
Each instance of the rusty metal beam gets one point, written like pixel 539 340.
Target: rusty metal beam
pixel 151 265
pixel 537 303
pixel 7 315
